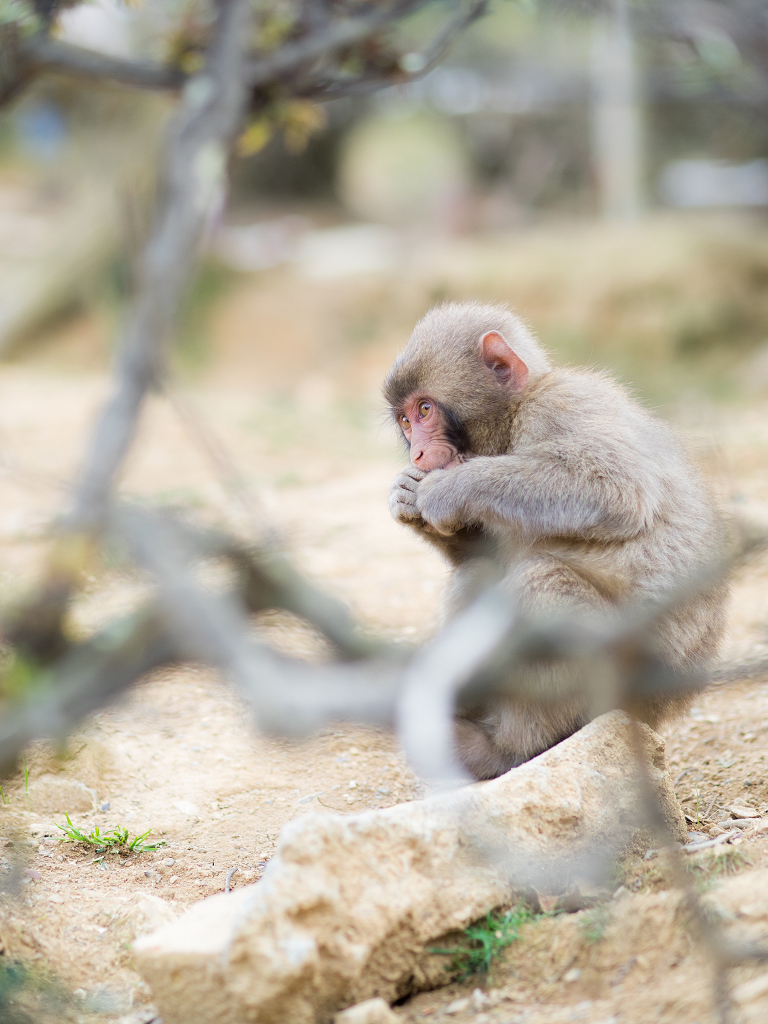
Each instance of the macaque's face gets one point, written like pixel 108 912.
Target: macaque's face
pixel 427 432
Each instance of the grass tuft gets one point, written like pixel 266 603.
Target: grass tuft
pixel 114 839
pixel 486 939
pixel 593 923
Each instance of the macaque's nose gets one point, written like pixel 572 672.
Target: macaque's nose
pixel 417 455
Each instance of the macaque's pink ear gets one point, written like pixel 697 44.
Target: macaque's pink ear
pixel 507 367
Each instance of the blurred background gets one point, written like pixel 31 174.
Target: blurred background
pixel 603 168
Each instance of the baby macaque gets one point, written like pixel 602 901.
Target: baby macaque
pixel 580 498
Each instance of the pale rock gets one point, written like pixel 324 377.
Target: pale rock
pixel 81 758
pixel 144 913
pixel 372 1011
pixel 349 906
pixel 742 811
pixel 186 807
pixel 457 1006
pixel 51 795
pixel 479 999
pixel 760 825
pixel 750 990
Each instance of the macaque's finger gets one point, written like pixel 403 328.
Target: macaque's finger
pixel 405 514
pixel 409 481
pixel 402 505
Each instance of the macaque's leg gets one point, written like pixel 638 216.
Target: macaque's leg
pixel 499 734
pixel 477 751
pixel 544 583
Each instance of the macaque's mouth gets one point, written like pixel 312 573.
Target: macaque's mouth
pixel 450 463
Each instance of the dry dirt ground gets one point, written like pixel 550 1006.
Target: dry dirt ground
pixel 180 757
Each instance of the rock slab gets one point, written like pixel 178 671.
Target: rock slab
pixel 349 906
pixel 372 1011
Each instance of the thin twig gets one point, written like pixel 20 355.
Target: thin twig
pixel 291 56
pixel 199 140
pixel 326 87
pixel 705 815
pixel 224 466
pixel 46 54
pixel 88 677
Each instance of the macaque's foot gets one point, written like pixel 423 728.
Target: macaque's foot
pixel 402 496
pixel 477 751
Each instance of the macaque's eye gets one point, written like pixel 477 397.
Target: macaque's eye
pixel 405 423
pixel 424 408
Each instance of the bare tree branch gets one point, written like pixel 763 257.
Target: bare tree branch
pixel 24 58
pixel 288 696
pixel 326 87
pixel 198 144
pixel 41 53
pixel 88 677
pixel 288 58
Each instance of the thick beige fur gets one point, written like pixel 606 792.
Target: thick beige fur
pixel 581 497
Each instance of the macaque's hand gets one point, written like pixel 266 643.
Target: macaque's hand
pixel 438 500
pixel 402 496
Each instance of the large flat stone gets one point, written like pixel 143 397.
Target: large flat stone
pixel 348 907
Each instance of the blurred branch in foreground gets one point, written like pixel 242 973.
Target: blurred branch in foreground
pixel 367 681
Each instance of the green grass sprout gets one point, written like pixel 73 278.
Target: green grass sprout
pixel 593 923
pixel 111 840
pixel 486 939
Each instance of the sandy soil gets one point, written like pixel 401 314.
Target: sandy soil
pixel 180 757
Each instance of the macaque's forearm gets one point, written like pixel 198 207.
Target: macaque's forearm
pixel 542 496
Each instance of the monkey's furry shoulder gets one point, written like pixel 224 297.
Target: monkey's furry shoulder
pixel 626 466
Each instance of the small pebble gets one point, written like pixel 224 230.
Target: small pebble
pixel 573 975
pixel 456 1006
pixel 106 805
pixel 479 999
pixel 33 874
pixel 169 862
pixel 173 878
